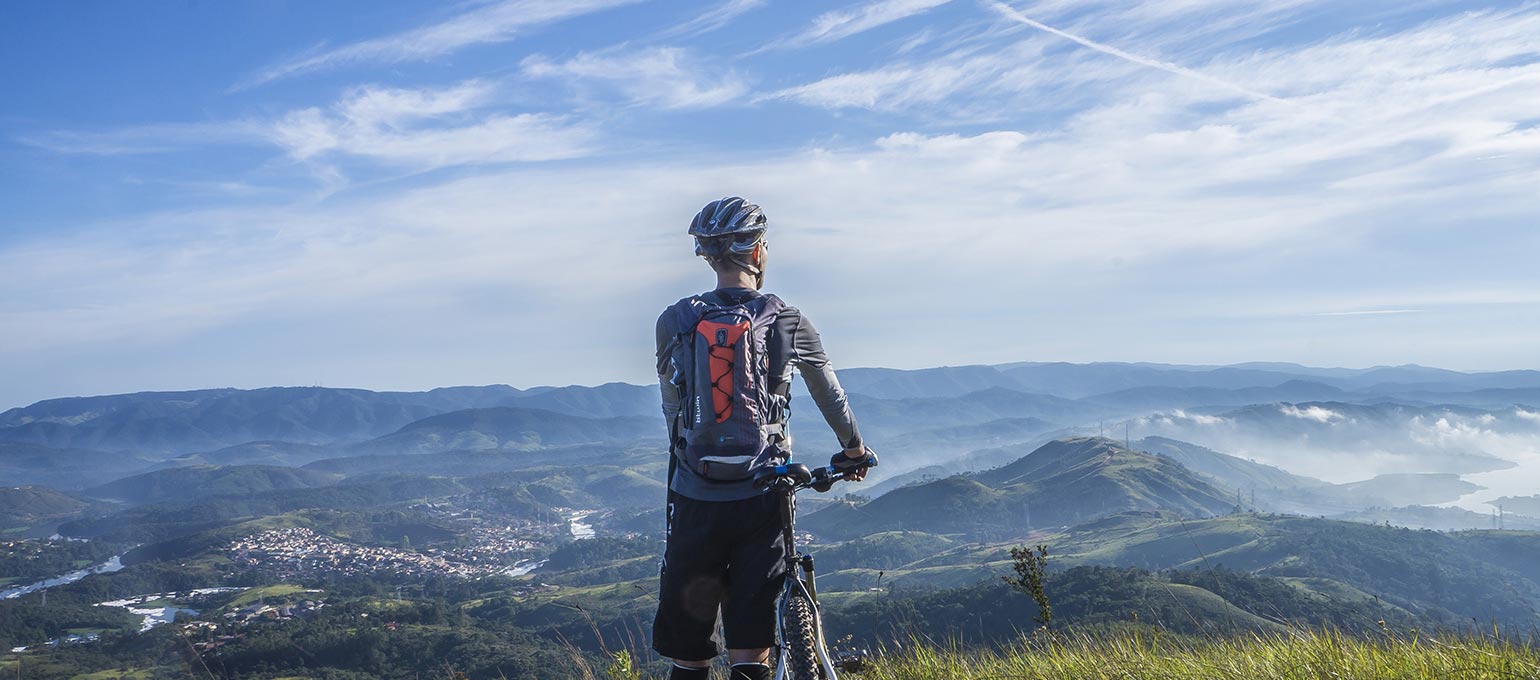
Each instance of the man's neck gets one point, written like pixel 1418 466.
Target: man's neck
pixel 736 279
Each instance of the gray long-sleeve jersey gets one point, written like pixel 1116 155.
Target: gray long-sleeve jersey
pixel 796 345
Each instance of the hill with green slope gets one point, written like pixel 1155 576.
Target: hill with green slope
pixel 171 423
pixel 610 400
pixel 199 481
pixel 509 428
pixel 1190 602
pixel 1061 483
pixel 167 519
pixel 1231 472
pixel 258 453
pixel 36 500
pixel 1447 577
pixel 476 462
pixel 1438 519
pixel 38 506
pixel 1444 578
pixel 65 468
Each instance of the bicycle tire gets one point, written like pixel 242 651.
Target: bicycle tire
pixel 801 639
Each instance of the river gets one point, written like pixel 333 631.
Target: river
pixel 166 613
pixel 580 529
pixel 523 567
pixel 112 565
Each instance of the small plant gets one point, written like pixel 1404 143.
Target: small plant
pixel 1031 567
pixel 623 667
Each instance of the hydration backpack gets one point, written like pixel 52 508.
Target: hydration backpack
pixel 730 413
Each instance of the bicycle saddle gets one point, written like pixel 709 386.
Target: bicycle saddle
pixel 794 474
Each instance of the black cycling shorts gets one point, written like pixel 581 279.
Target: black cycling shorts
pixel 720 554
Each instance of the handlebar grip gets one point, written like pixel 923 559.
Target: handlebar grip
pixel 842 464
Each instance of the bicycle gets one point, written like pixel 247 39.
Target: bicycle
pixel 803 654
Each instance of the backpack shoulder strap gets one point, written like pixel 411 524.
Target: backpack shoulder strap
pixel 688 313
pixel 770 307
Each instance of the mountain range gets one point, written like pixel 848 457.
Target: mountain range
pixel 1274 436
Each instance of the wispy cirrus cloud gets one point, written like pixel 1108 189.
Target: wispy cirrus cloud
pixel 1011 13
pixel 840 24
pixel 1369 312
pixel 417 129
pixel 145 139
pixel 661 76
pixel 967 84
pixel 426 129
pixel 714 18
pixel 497 22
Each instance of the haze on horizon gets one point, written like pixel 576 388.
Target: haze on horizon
pixel 266 194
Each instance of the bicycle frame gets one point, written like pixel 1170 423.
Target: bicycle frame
pixel 799 577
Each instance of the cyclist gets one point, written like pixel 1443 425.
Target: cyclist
pixel 724 541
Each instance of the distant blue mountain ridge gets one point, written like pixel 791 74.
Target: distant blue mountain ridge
pixel 932 413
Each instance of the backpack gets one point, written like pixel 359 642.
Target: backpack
pixel 730 412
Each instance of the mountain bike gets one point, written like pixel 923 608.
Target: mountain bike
pixel 803 656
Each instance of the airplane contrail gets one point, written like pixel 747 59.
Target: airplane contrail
pixel 1010 13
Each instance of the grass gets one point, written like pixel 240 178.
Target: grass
pixel 251 596
pixel 1291 655
pixel 34 666
pixel 115 674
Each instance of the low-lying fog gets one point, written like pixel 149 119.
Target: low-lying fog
pixel 1339 443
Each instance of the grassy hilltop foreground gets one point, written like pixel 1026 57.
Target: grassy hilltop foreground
pixel 1142 653
pixel 1300 654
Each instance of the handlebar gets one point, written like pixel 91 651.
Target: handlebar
pixel 796 476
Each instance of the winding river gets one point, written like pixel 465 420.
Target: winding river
pixel 112 565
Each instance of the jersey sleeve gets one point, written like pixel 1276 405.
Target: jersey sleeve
pixel 670 392
pixel 808 355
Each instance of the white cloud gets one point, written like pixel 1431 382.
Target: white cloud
pixel 496 22
pixel 660 76
pixel 1179 418
pixel 145 139
pixel 385 125
pixel 827 204
pixel 1369 312
pixel 1200 418
pixel 373 106
pixel 1012 14
pixel 714 18
pixel 417 129
pixel 841 24
pixel 966 84
pixel 1317 413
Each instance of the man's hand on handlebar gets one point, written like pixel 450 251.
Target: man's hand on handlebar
pixel 854 462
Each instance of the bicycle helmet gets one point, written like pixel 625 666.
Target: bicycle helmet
pixel 730 230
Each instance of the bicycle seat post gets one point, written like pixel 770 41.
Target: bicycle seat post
pixel 788 524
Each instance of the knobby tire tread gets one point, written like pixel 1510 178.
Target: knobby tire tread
pixel 801 640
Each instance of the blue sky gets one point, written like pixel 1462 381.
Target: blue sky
pixel 406 195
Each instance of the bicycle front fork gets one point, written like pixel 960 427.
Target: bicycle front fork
pixel 806 562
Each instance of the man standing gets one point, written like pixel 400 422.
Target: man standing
pixel 725 360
